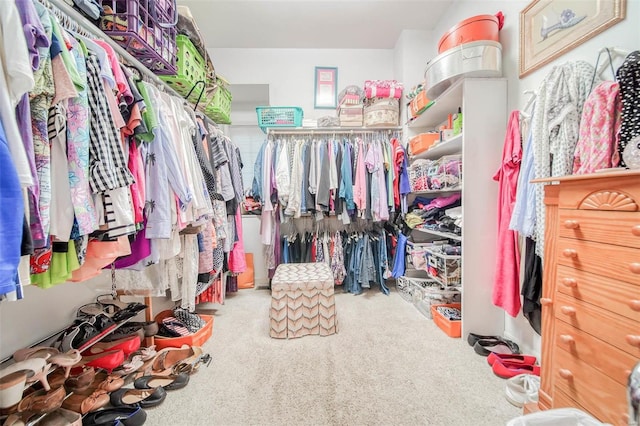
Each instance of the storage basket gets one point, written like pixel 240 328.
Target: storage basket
pixel 446 173
pixel 430 292
pixel 279 117
pixel 143 28
pixel 447 269
pixel 191 68
pixel 382 112
pixel 418 175
pixel 196 339
pixel 405 288
pixel 218 105
pixel 450 327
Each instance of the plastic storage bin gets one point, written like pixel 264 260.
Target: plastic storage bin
pixel 269 116
pixel 451 328
pixel 218 105
pixel 428 292
pixel 446 269
pixel 446 173
pixel 196 339
pixel 143 28
pixel 190 68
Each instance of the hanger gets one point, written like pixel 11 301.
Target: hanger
pixel 525 111
pixel 612 53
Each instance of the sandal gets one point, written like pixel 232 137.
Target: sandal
pixel 43 352
pixel 36 369
pixel 124 311
pixel 168 358
pixel 66 360
pixel 134 364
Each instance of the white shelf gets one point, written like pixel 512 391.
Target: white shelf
pixel 445 104
pixel 440 234
pixel 452 146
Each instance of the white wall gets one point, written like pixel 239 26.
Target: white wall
pixel 290 72
pixel 625 34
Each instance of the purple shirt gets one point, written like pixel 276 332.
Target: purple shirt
pixel 33 30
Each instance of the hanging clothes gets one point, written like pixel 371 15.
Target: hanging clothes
pixel 628 77
pixel 506 291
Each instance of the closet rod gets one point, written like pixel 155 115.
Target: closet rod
pixel 89 27
pixel 332 130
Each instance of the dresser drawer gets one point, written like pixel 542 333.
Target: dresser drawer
pixel 616 296
pixel 604 357
pixel 614 329
pixel 619 263
pixel 603 397
pixel 619 228
pixel 562 400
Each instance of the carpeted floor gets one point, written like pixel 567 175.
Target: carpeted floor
pixel 388 365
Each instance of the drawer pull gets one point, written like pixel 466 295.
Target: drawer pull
pixel 571 224
pixel 634 305
pixel 635 267
pixel 571 253
pixel 568 310
pixel 545 301
pixel 565 374
pixel 636 230
pixel 567 339
pixel 633 340
pixel 569 282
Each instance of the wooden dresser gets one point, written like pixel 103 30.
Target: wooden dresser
pixel 591 293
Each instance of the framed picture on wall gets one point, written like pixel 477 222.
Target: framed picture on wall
pixel 326 88
pixel 551 28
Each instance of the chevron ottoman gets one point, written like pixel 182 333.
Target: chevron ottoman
pixel 302 301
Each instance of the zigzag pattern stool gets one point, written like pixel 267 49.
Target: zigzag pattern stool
pixel 302 301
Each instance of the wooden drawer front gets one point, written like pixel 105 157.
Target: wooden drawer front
pixel 606 358
pixel 616 296
pixel 603 397
pixel 614 329
pixel 562 400
pixel 619 263
pixel 619 228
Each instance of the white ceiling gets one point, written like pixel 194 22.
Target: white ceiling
pixel 349 24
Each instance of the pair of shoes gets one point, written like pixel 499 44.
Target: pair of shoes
pixel 122 311
pixel 84 404
pixel 107 360
pixel 79 382
pixel 145 398
pixel 65 360
pixel 486 345
pixel 127 345
pixel 61 417
pixel 170 382
pixel 150 328
pixel 511 358
pixel 522 389
pixel 127 416
pixel 36 370
pixel 507 369
pixel 42 401
pixel 186 359
pixel 102 381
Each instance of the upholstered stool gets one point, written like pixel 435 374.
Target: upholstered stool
pixel 302 301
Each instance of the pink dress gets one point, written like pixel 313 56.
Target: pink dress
pixel 506 284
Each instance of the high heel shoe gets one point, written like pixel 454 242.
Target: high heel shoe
pixel 168 358
pixel 106 360
pixel 36 369
pixel 66 360
pixel 128 345
pixel 11 388
pixel 43 352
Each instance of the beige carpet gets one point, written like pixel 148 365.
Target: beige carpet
pixel 388 365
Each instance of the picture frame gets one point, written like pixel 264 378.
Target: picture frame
pixel 325 88
pixel 551 28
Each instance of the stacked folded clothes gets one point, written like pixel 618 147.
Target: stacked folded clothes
pixel 350 107
pixel 383 89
